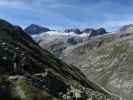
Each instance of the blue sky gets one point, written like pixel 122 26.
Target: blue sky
pixel 110 14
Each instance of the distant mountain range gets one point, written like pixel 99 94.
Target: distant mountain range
pixel 34 29
pixel 58 41
pixel 90 31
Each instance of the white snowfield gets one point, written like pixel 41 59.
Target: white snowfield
pixel 64 33
pixel 52 33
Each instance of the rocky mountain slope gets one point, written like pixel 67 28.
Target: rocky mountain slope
pixel 126 29
pixel 56 42
pixel 106 60
pixel 28 72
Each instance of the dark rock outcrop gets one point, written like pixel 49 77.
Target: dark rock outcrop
pixel 125 28
pixel 35 29
pixel 74 40
pixel 88 30
pixel 98 32
pixel 28 72
pixel 92 32
pixel 76 31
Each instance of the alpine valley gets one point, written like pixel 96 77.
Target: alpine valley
pixel 106 58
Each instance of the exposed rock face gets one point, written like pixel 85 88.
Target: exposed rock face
pixel 98 32
pixel 74 40
pixel 56 44
pixel 35 29
pixel 77 31
pixel 101 31
pixel 88 30
pixel 28 72
pixel 126 29
pixel 106 60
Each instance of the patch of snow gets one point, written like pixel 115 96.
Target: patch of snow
pixel 52 33
pixel 67 34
